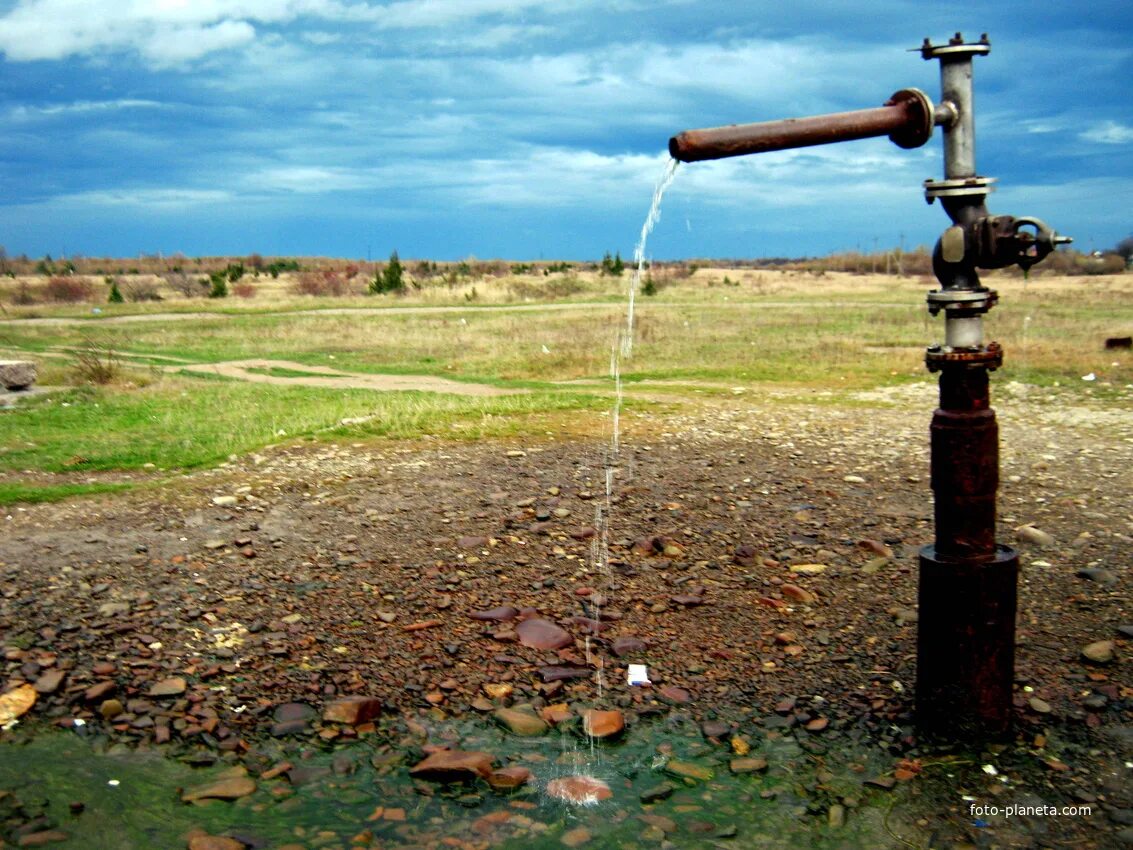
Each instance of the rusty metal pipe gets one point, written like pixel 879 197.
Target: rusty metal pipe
pixel 906 118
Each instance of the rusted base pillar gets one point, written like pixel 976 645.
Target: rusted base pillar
pixel 966 627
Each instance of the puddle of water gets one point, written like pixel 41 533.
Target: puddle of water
pixel 665 779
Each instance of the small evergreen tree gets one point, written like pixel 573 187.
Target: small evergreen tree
pixel 649 287
pixel 115 296
pixel 618 266
pixel 389 279
pixel 219 281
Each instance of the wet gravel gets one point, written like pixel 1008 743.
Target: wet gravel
pixel 761 563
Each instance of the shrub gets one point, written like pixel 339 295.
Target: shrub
pixel 69 290
pixel 115 296
pixel 141 290
pixel 186 284
pixel 96 363
pixel 324 283
pixel 390 279
pixel 218 285
pixel 24 295
pixel 649 286
pixel 613 266
pixel 244 290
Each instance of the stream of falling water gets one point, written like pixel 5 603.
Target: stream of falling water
pixel 620 350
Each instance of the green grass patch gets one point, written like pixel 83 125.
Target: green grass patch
pixel 13 492
pixel 185 423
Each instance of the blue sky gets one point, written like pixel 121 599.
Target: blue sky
pixel 531 128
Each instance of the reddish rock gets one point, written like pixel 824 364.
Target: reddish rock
pixel 627 645
pixel 168 688
pixel 674 694
pixel 579 790
pixel 447 766
pixel 96 693
pixel 353 710
pixel 603 724
pixel 228 787
pixel 50 681
pixel 797 594
pixel 472 542
pixel 47 836
pixel 498 615
pixel 543 634
pixel 509 777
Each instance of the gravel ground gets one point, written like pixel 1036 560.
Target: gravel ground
pixel 311 572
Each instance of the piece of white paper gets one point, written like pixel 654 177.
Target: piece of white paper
pixel 638 675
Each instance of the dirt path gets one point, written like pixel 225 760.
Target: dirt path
pixel 321 376
pixel 421 310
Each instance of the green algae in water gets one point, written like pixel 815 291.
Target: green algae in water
pixel 337 794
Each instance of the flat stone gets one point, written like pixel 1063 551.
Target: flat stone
pixel 1099 652
pixel 559 674
pixel 579 790
pixel 603 724
pixel 224 501
pixel 95 693
pixel 674 694
pixel 1034 536
pixel 576 837
pixel 1104 577
pixel 226 788
pixel 17 374
pixel 797 594
pixel 688 770
pixel 509 777
pixel 657 793
pixel 168 688
pixel 50 681
pixel 353 710
pixel 886 783
pixel 498 615
pixel 524 723
pixel 753 764
pixel 1039 706
pixel 448 766
pixel 627 645
pixel 543 634
pixel 808 569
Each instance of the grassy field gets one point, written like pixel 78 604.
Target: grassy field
pixel 713 330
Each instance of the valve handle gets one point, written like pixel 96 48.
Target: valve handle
pixel 1033 247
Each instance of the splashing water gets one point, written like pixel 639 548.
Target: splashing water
pixel 622 348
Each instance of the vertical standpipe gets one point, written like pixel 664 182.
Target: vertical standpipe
pixel 966 627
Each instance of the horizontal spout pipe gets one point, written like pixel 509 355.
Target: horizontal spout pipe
pixel 907 118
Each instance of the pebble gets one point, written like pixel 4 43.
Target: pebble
pixel 353 710
pixel 657 793
pixel 627 645
pixel 168 688
pixel 50 681
pixel 1039 706
pixel 797 594
pixel 688 770
pixel 576 837
pixel 448 766
pixel 580 790
pixel 853 479
pixel 1099 652
pixel 1101 576
pixel 224 501
pixel 808 569
pixel 603 724
pixel 1034 536
pixel 836 816
pixel 229 787
pixel 519 722
pixel 497 615
pixel 543 634
pixel 753 764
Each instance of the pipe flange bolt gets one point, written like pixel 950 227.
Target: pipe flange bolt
pixel 988 357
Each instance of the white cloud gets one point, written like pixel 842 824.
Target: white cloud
pixel 159 199
pixel 79 107
pixel 1109 133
